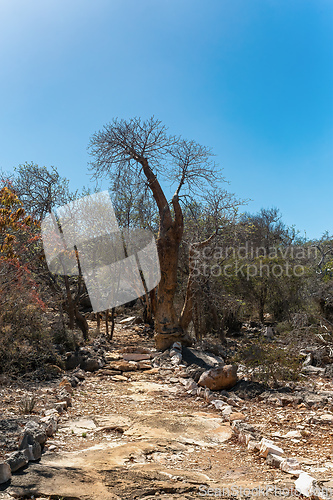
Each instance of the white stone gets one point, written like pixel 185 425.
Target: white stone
pixel 267 447
pixel 291 466
pixel 293 434
pixel 305 484
pixel 227 410
pixel 218 404
pixel 253 445
pixel 327 418
pixel 127 320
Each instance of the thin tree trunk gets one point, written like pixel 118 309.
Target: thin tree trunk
pixel 112 323
pixel 107 322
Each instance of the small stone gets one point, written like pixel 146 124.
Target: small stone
pixel 267 446
pixel 123 366
pixel 61 406
pixel 136 357
pixel 66 386
pixel 253 445
pixel 5 472
pixel 144 365
pixel 237 416
pixel 291 466
pixel 293 434
pixel 119 378
pixel 326 418
pixel 218 404
pixel 227 411
pixel 274 460
pixel 190 384
pixel 108 373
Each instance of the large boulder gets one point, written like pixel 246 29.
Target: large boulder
pixel 33 432
pixel 73 359
pixel 91 364
pixel 17 460
pixel 5 472
pixel 221 377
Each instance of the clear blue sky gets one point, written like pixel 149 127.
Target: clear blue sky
pixel 252 79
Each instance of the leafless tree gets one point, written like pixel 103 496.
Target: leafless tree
pixel 145 151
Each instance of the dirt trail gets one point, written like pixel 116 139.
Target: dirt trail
pixel 140 437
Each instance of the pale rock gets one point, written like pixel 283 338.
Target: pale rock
pixel 274 460
pixel 119 378
pixel 127 320
pixel 253 445
pixel 305 484
pixel 123 366
pixel 293 434
pixel 244 438
pixel 5 472
pixel 33 452
pixel 200 391
pixel 218 404
pixel 227 410
pixel 267 446
pixel 291 466
pixel 50 424
pixel 221 377
pixel 326 418
pixel 237 416
pixel 61 406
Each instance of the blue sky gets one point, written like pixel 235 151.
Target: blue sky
pixel 252 79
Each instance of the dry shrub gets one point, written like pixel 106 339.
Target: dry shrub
pixel 268 363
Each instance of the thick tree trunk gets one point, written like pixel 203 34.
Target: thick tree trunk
pixel 166 320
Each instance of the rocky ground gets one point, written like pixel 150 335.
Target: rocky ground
pixel 139 426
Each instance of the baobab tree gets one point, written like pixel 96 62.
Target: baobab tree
pixel 158 161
